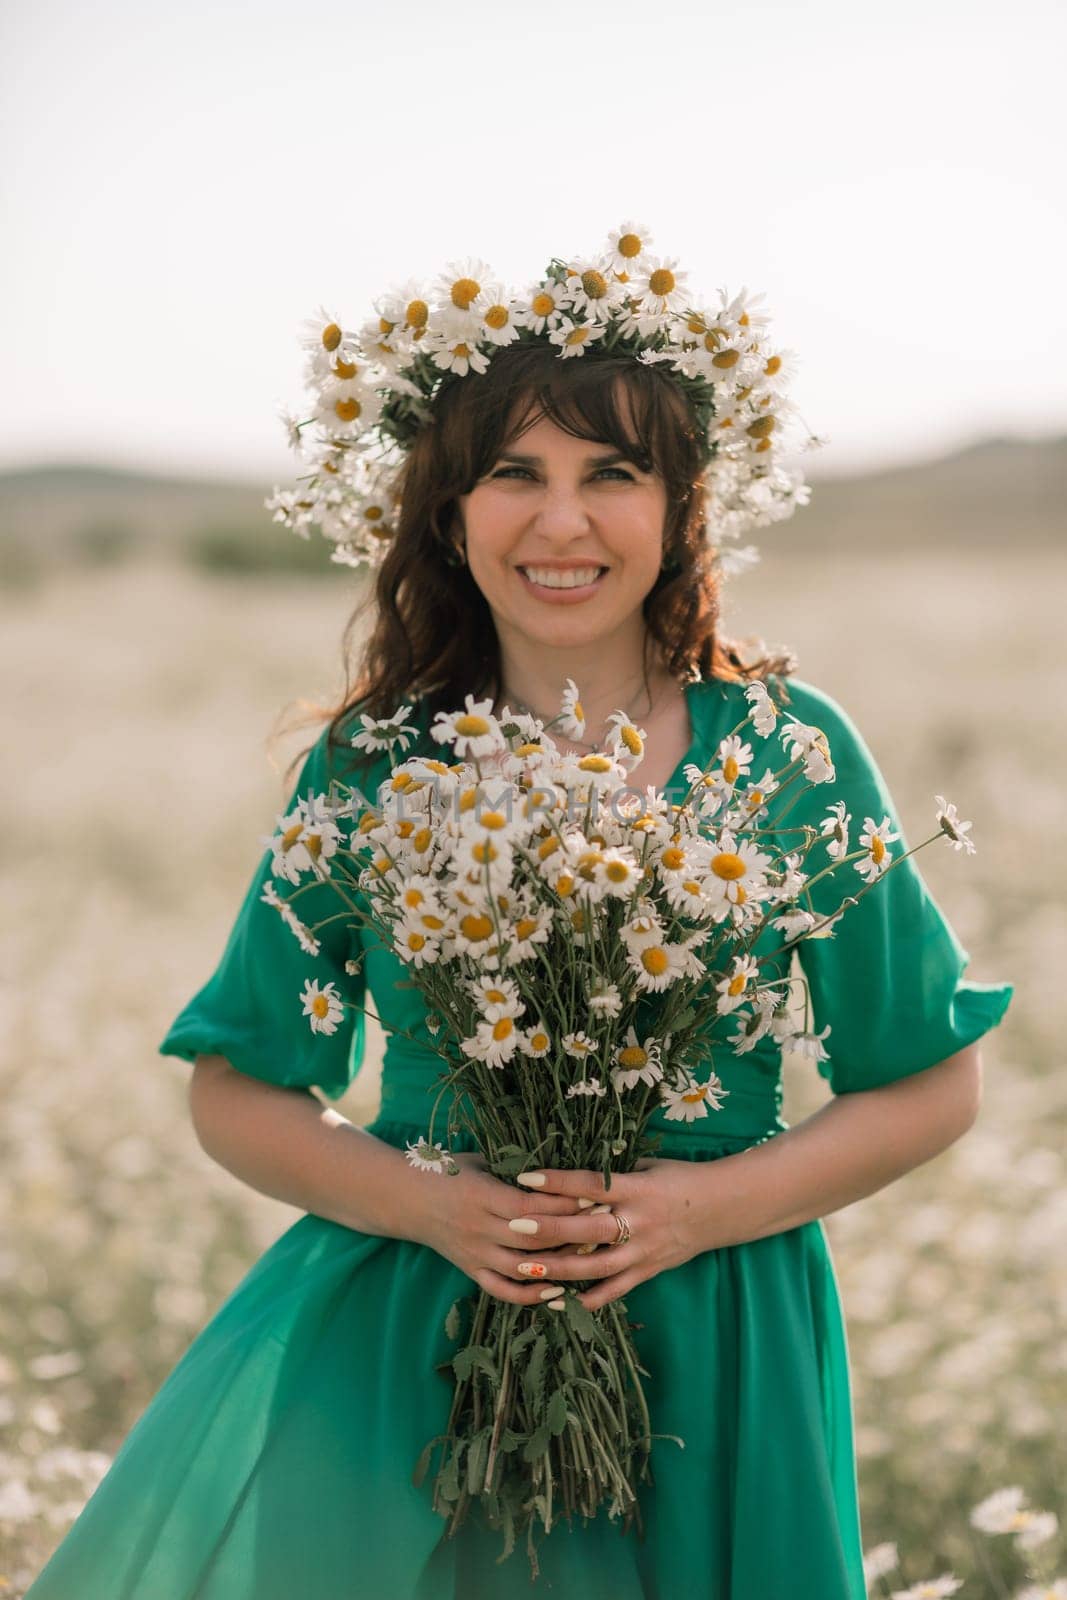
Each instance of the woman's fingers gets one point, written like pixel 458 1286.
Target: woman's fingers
pixel 592 1227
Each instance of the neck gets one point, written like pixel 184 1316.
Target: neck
pixel 609 673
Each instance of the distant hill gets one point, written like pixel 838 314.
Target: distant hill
pixel 1010 491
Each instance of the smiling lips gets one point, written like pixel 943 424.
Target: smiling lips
pixel 562 583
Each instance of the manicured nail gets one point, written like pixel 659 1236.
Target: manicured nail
pixel 552 1291
pixel 524 1224
pixel 584 1202
pixel 559 1304
pixel 532 1269
pixel 534 1180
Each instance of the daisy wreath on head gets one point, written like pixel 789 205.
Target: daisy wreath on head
pixel 373 389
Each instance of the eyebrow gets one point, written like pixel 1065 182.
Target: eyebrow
pixel 538 461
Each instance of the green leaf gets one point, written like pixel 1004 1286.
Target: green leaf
pixel 581 1319
pixel 423 1463
pixel 447 1481
pixel 477 1456
pixel 537 1443
pixel 533 1377
pixel 556 1417
pixel 475 1355
pixel 452 1321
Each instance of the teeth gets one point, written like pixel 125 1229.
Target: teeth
pixel 562 580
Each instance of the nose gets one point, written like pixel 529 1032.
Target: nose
pixel 562 513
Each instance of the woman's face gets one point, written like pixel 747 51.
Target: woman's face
pixel 552 506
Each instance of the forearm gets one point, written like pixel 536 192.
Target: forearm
pixel 286 1144
pixel 851 1147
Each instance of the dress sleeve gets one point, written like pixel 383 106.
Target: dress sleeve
pixel 890 979
pixel 251 1009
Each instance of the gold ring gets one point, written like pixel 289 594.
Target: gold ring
pixel 624 1230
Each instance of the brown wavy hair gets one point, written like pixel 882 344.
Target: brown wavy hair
pixel 432 634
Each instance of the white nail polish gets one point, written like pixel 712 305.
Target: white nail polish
pixel 523 1224
pixel 559 1304
pixel 553 1291
pixel 533 1180
pixel 585 1203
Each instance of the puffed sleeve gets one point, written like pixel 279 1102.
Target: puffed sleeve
pixel 251 1009
pixel 890 980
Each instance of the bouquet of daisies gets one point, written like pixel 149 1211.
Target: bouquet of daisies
pixel 574 938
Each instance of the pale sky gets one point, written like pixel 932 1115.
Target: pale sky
pixel 181 184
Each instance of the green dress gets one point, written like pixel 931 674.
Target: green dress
pixel 275 1460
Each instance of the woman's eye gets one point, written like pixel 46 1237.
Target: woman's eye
pixel 503 472
pixel 622 472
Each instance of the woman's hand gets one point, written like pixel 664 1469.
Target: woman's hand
pixel 466 1221
pixel 666 1204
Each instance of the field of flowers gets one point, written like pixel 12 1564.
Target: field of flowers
pixel 137 707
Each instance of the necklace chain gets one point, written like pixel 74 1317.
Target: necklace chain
pixel 583 744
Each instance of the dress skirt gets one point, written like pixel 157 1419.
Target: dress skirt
pixel 275 1461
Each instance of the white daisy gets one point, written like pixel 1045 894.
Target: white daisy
pixel 306 938
pixel 431 1157
pixel 459 353
pixel 574 338
pixel 382 733
pixel 498 315
pixel 594 290
pixel 875 838
pixel 322 1006
pixel 627 245
pixel 305 841
pixel 605 999
pixel 879 1560
pixel 590 1086
pixel 764 713
pixel 473 732
pixel 414 945
pixel 692 1099
pixel 321 332
pixel 572 715
pixel 807 741
pixel 808 1044
pixel 617 872
pixel 461 285
pixel 732 988
pixel 656 966
pixel 579 1045
pixel 346 410
pixel 495 991
pixel 951 826
pixel 835 826
pixel 930 1588
pixel 494 1042
pixel 545 307
pixel 661 287
pixel 637 1062
pixel 535 1041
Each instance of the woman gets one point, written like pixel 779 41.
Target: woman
pixel 276 1459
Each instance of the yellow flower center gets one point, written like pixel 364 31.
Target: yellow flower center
pixel 347 410
pixel 632 1057
pixel 503 1028
pixel 595 284
pixel 773 365
pixel 617 872
pixel 654 959
pixel 662 281
pixel 877 849
pixel 737 984
pixel 470 725
pixel 673 858
pixel 415 941
pixel 726 359
pixel 484 852
pixel 542 305
pixel 539 1041
pixel 761 427
pixel 564 885
pixel 464 292
pixel 412 896
pixel 631 739
pixel 497 317
pixel 291 835
pixel 345 369
pixel 417 314
pixel 547 847
pixel 461 351
pixel 321 1005
pixel 577 336
pixel 385 327
pixel 525 927
pixel 578 920
pixel 730 769
pixel 331 336
pixel 629 246
pixel 475 927
pixel 696 324
pixel 428 920
pixel 594 763
pixel 693 1097
pixel 727 865
pixel 494 820
pixel 373 513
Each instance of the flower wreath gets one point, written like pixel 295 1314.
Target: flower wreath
pixel 374 390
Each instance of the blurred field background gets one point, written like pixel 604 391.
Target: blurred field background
pixel 153 631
